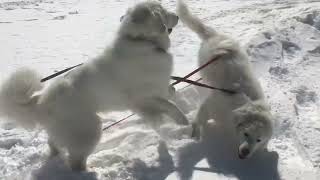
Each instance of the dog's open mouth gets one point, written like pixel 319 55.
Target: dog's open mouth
pixel 170 30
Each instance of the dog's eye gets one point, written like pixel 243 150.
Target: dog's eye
pixel 246 134
pixel 258 140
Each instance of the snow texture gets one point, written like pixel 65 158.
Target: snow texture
pixel 282 38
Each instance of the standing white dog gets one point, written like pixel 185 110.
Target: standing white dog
pixel 134 73
pixel 245 115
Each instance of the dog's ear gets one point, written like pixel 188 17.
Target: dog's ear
pixel 140 14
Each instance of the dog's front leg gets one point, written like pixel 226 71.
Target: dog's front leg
pixel 170 109
pixel 200 121
pixel 158 106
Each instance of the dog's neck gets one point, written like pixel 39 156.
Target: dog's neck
pixel 161 44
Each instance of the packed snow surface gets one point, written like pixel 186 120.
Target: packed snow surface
pixel 282 38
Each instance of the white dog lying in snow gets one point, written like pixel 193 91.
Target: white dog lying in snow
pixel 134 73
pixel 245 115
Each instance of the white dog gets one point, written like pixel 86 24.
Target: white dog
pixel 134 73
pixel 244 114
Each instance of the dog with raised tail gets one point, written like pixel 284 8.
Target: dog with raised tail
pixel 244 115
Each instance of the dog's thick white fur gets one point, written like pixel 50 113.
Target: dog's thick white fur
pixel 244 114
pixel 133 73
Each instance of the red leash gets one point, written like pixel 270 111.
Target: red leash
pixel 177 81
pixel 58 73
pixel 184 79
pixel 115 123
pixel 173 84
pixel 196 70
pixel 129 116
pixel 196 83
pixel 201 85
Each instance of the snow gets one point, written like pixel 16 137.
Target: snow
pixel 282 38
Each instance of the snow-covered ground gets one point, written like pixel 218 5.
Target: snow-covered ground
pixel 282 38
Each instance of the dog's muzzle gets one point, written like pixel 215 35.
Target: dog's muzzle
pixel 243 153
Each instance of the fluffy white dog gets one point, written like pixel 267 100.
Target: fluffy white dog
pixel 244 115
pixel 133 73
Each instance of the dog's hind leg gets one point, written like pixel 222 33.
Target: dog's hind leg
pixel 78 160
pixel 78 154
pixel 83 141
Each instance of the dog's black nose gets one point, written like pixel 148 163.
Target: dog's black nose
pixel 244 153
pixel 121 18
pixel 170 30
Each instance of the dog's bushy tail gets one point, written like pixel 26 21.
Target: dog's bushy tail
pixel 17 97
pixel 193 22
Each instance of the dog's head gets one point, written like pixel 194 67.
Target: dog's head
pixel 149 20
pixel 254 127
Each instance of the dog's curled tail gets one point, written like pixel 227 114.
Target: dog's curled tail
pixel 17 97
pixel 193 22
